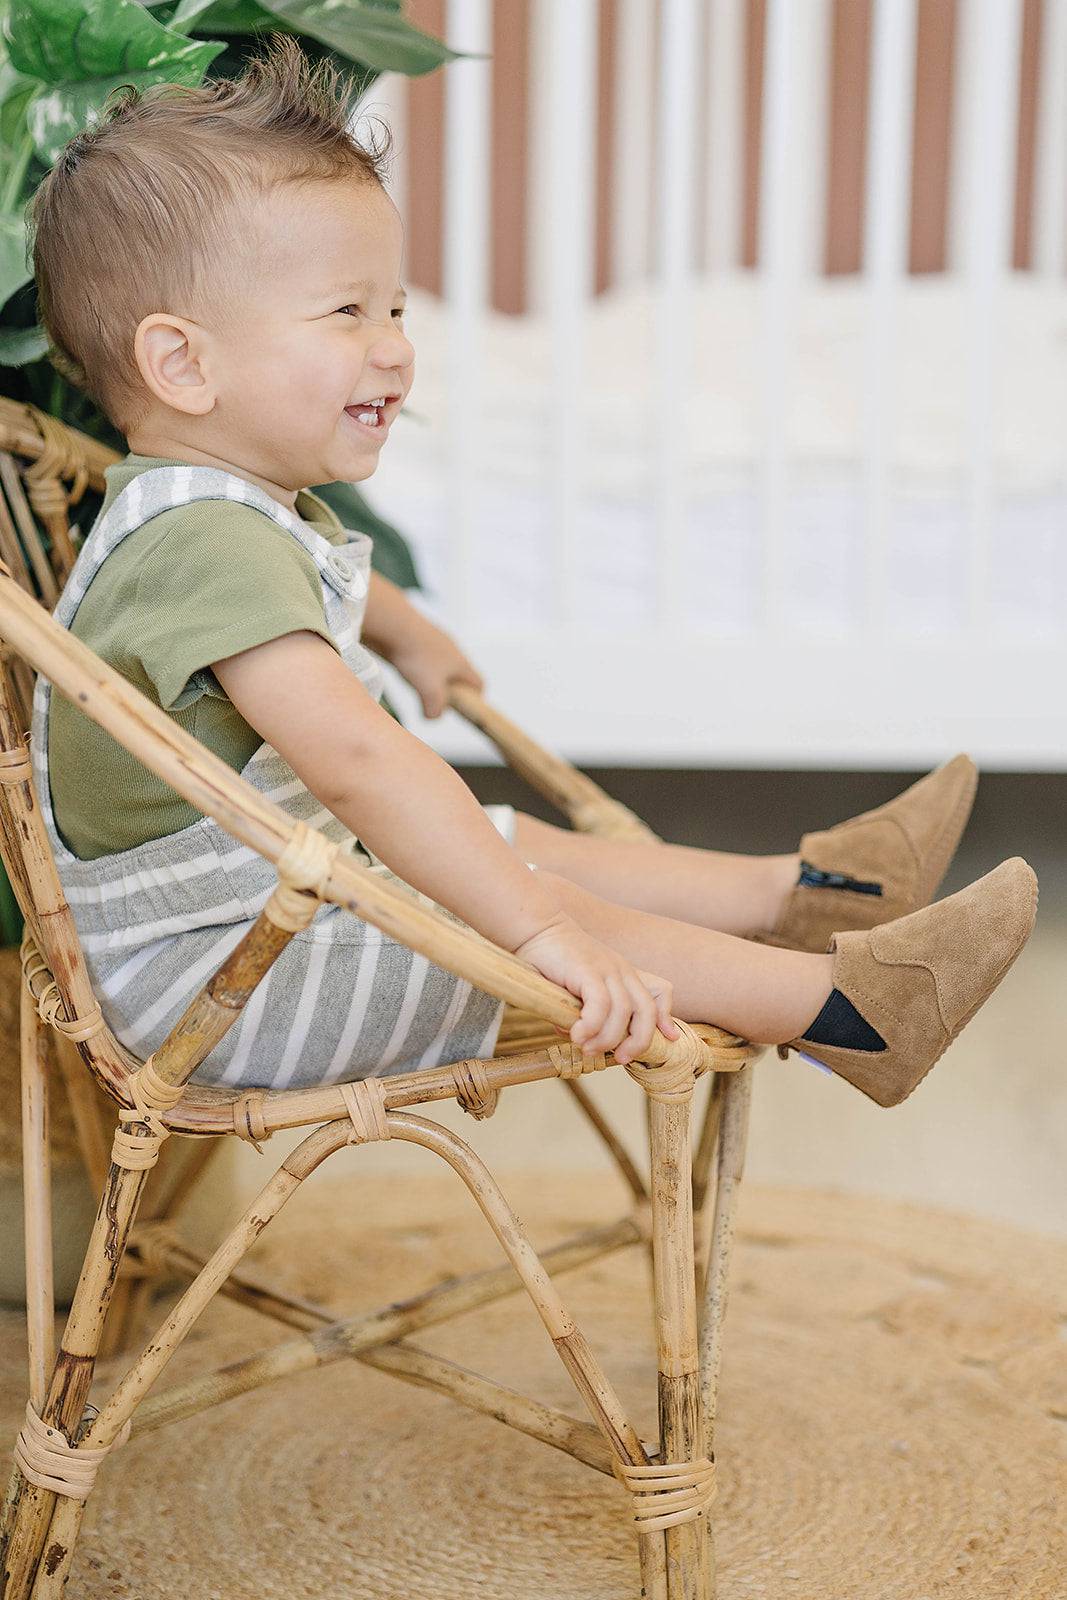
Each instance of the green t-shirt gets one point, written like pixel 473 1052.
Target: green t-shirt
pixel 193 585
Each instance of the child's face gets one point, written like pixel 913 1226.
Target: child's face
pixel 315 336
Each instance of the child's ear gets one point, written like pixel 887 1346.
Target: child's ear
pixel 171 356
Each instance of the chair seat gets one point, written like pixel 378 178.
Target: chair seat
pixel 208 1109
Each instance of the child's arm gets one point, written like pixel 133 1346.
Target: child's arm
pixel 420 651
pixel 420 818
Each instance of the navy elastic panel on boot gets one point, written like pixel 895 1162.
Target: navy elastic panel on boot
pixel 812 878
pixel 840 1024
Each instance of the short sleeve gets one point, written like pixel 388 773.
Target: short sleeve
pixel 220 579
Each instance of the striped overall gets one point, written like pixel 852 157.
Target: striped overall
pixel 343 1000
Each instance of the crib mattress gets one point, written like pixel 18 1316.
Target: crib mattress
pixel 821 551
pixel 808 640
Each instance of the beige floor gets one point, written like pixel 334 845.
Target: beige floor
pixel 890 1422
pixel 985 1134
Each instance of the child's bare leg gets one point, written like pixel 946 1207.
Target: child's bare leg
pixel 708 888
pixel 862 872
pixel 756 991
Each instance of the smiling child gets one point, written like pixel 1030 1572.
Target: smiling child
pixel 221 268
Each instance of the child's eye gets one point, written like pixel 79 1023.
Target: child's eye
pixel 344 311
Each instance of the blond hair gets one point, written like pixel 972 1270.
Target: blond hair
pixel 140 212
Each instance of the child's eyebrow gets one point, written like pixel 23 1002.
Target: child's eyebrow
pixel 363 287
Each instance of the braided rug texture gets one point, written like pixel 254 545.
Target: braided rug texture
pixel 893 1418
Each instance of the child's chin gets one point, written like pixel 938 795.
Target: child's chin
pixel 359 468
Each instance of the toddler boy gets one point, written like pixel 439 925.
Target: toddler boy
pixel 220 267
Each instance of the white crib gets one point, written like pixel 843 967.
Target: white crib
pixel 719 517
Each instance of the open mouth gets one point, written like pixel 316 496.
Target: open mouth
pixel 374 415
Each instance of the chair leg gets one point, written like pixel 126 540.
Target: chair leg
pixel 43 1527
pixel 733 1139
pixel 94 1114
pixel 689 1545
pixel 167 1187
pixel 29 1509
pixel 586 1373
pixel 37 1198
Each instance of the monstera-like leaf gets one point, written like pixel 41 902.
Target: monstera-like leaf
pixel 81 50
pixel 373 34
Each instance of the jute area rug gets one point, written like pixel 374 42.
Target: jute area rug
pixel 893 1419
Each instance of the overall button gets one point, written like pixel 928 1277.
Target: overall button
pixel 339 567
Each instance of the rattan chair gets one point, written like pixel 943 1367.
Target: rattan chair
pixel 667 1488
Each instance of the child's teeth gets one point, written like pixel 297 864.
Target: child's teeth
pixel 368 416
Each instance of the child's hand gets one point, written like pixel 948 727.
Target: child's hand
pixel 431 662
pixel 621 1006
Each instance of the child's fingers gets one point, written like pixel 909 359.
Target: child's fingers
pixel 642 1022
pixel 664 1020
pixel 596 1004
pixel 613 1024
pixel 617 1021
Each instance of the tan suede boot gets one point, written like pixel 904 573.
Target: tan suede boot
pixel 902 849
pixel 919 980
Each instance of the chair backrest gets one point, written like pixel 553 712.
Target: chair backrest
pixel 49 924
pixel 45 468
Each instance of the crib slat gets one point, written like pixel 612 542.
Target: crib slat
pixel 725 76
pixel 994 29
pixel 564 64
pixel 809 142
pixel 1050 198
pixel 777 268
pixel 387 98
pixel 466 276
pixel 791 217
pixel 892 108
pixel 672 357
pixel 631 160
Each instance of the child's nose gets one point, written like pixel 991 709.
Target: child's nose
pixel 393 350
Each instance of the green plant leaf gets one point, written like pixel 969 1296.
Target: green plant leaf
pixel 21 345
pixel 187 13
pixel 364 32
pixel 15 94
pixel 77 41
pixel 59 112
pixel 14 261
pixel 229 16
pixel 83 50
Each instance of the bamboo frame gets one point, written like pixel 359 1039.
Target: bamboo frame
pixel 676 1557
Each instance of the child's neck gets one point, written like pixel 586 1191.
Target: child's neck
pixel 144 442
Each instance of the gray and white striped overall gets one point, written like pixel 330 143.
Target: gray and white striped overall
pixel 343 1001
